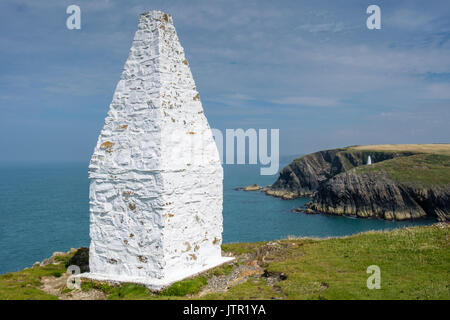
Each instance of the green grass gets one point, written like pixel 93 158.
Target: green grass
pixel 414 263
pixel 436 148
pixel 240 248
pixel 185 287
pixel 226 269
pixel 128 291
pixel 87 285
pixel 427 169
pixel 254 288
pixel 23 285
pixel 427 164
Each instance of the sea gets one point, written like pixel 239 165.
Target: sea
pixel 45 208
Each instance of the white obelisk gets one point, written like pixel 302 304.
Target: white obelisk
pixel 156 176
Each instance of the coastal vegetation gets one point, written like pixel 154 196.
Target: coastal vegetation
pixel 424 169
pixel 414 264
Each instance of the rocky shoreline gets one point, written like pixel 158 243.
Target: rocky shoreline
pixel 279 193
pixel 340 183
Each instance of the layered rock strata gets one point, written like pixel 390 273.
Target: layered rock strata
pixel 335 185
pixel 375 194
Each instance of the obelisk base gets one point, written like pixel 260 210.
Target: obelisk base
pixel 155 284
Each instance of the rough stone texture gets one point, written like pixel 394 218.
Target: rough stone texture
pixel 330 179
pixel 374 194
pixel 156 176
pixel 303 176
pixel 80 259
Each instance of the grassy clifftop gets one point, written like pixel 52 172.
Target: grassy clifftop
pixel 304 175
pixel 428 164
pixel 414 264
pixel 405 181
pixel 436 148
pixel 426 169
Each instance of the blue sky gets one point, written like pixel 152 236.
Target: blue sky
pixel 310 68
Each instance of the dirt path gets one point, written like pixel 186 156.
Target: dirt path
pixel 56 286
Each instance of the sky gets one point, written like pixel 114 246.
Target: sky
pixel 309 68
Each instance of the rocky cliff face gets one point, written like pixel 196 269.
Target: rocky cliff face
pixel 375 194
pixel 336 186
pixel 304 175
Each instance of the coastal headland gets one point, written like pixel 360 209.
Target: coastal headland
pixel 406 181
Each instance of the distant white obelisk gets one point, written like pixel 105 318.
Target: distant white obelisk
pixel 156 176
pixel 369 160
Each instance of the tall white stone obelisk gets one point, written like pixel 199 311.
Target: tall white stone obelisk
pixel 156 176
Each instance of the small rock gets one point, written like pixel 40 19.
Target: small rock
pixel 253 187
pixel 58 254
pixel 52 259
pixel 253 263
pixel 274 274
pixel 81 259
pixel 36 264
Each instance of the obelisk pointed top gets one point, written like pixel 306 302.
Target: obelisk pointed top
pixel 156 15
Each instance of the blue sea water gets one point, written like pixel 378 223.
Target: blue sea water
pixel 44 208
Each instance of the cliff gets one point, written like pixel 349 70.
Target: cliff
pixel 404 181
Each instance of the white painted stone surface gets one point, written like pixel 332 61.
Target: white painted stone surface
pixel 156 176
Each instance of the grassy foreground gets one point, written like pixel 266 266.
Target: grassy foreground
pixel 414 263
